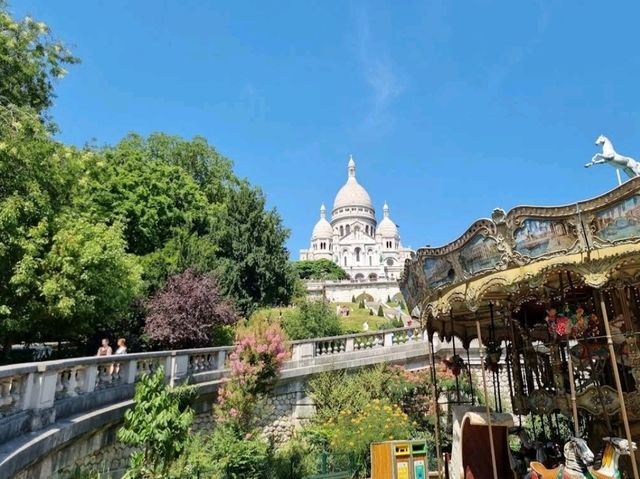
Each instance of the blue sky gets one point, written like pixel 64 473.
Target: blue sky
pixel 450 108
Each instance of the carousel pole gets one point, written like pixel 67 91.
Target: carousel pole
pixel 453 342
pixel 486 402
pixel 572 390
pixel 435 402
pixel 616 377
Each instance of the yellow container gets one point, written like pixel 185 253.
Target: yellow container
pixel 399 460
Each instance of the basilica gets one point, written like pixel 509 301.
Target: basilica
pixel 352 238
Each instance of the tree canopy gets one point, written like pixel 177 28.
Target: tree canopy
pixel 30 62
pixel 318 269
pixel 187 310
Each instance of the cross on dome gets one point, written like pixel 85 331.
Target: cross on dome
pixel 385 210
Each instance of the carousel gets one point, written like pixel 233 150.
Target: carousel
pixel 550 299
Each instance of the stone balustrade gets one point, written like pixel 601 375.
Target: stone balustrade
pixel 34 395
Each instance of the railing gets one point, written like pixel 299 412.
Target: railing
pixel 34 395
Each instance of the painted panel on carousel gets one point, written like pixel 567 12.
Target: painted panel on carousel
pixel 537 237
pixel 438 272
pixel 481 253
pixel 620 221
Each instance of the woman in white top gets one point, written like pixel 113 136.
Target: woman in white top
pixel 122 349
pixel 122 346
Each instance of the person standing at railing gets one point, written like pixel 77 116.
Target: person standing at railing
pixel 105 349
pixel 122 346
pixel 122 349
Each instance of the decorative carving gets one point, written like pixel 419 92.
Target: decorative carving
pixel 596 399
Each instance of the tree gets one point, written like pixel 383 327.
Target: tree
pixel 60 274
pixel 79 280
pixel 211 171
pixel 158 424
pixel 187 311
pixel 318 269
pixel 380 311
pixel 312 319
pixel 152 199
pixel 253 266
pixel 30 62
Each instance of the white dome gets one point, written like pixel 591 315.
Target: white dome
pixel 322 229
pixel 352 193
pixel 386 227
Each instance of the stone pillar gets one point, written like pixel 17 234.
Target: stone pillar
pixel 179 368
pixel 44 394
pixel 128 371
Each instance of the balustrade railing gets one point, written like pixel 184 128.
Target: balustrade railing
pixel 42 386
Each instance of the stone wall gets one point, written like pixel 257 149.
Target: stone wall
pixel 342 292
pixel 100 450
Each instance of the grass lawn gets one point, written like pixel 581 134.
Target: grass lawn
pixel 350 324
pixel 357 316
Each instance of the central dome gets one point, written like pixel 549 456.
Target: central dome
pixel 352 193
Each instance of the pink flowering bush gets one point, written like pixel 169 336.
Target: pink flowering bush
pixel 258 356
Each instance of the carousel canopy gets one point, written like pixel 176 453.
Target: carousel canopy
pixel 529 254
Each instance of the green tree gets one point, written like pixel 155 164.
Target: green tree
pixel 158 424
pixel 253 266
pixel 312 319
pixel 318 269
pixel 79 280
pixel 30 62
pixel 152 199
pixel 380 311
pixel 209 169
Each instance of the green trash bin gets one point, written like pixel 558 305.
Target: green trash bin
pixel 419 459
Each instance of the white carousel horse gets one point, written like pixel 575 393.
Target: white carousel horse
pixel 613 449
pixel 609 156
pixel 577 456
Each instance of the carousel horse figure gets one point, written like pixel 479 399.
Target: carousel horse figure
pixel 578 458
pixel 609 156
pixel 613 449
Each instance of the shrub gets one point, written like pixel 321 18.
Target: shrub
pixel 258 355
pixel 187 311
pixel 391 324
pixel 352 433
pixel 158 424
pixel 312 319
pixel 353 299
pixel 388 299
pixel 239 457
pixel 295 459
pixel 380 311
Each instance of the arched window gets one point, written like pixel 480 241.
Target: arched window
pixel 357 251
pixel 345 260
pixel 370 261
pixel 348 229
pixel 341 231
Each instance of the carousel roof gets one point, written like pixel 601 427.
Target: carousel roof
pixel 524 255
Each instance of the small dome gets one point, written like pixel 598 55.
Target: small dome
pixel 322 229
pixel 387 228
pixel 352 193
